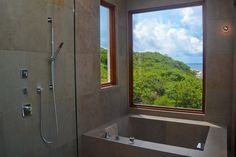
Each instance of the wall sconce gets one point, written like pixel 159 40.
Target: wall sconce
pixel 225 29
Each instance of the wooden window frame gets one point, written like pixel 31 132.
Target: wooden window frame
pixel 112 43
pixel 130 44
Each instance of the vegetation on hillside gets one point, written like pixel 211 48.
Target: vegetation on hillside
pixel 103 65
pixel 161 80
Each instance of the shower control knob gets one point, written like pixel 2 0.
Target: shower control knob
pixel 24 73
pixel 27 110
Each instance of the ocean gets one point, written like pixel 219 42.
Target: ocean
pixel 196 66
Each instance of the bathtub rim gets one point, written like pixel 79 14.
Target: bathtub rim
pixel 216 141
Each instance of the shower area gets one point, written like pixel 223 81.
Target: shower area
pixel 37 111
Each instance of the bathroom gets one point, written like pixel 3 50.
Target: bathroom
pixel 52 102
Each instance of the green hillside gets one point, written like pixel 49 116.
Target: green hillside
pixel 103 65
pixel 161 80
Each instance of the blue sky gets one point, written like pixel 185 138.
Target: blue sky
pixel 104 26
pixel 177 33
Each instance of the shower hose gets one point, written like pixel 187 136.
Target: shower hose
pixel 40 92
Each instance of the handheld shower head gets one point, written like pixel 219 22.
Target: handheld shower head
pixel 61 44
pixel 59 48
pixel 53 58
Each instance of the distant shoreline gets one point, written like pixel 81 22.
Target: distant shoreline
pixel 195 66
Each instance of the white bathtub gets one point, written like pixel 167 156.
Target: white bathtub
pixel 156 137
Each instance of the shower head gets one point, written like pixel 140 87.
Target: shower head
pixel 58 50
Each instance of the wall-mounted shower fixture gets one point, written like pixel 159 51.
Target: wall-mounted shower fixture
pixel 54 53
pixel 52 61
pixel 26 110
pixel 53 58
pixel 24 73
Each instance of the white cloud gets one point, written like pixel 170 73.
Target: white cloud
pixel 187 15
pixel 191 16
pixel 167 38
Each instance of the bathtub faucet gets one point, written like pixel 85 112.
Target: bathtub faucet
pixel 107 135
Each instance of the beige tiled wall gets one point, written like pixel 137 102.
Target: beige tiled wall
pixel 25 43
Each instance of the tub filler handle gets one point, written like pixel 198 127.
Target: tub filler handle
pixel 131 140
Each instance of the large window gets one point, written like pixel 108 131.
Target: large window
pixel 107 44
pixel 166 52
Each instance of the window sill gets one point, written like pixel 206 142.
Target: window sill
pixel 167 113
pixel 172 109
pixel 108 86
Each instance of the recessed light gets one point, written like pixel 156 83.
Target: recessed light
pixel 225 28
